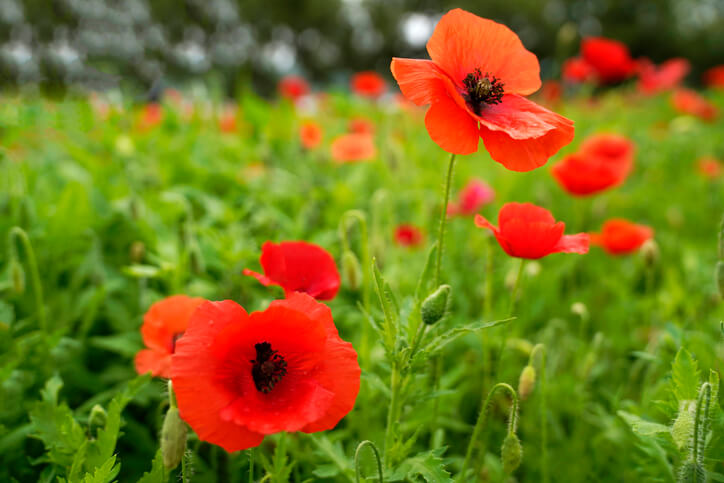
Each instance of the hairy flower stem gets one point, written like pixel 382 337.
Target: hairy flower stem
pixel 480 423
pixel 357 471
pixel 513 296
pixel 17 233
pixel 545 476
pixel 392 410
pixel 250 452
pixel 701 423
pixel 443 220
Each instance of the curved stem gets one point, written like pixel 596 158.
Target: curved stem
pixel 377 459
pixel 443 220
pixel 19 233
pixel 480 423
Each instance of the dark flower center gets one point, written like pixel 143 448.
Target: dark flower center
pixel 174 338
pixel 268 368
pixel 482 89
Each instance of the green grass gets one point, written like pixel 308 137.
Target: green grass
pixel 119 218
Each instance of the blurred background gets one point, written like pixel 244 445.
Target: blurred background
pixel 137 45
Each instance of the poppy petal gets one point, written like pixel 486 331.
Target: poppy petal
pixel 158 363
pixel 463 42
pixel 520 118
pixel 419 80
pixel 451 127
pixel 572 244
pixel 266 281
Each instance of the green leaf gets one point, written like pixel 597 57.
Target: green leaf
pixel 142 271
pixel 641 426
pixel 440 341
pixel 428 465
pixel 104 473
pixel 61 435
pixel 126 344
pixel 685 376
pixel 50 392
pixel 158 471
pixel 7 314
pixel 423 282
pixel 326 471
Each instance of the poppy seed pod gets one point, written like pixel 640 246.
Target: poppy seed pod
pixel 352 270
pixel 17 276
pixel 526 382
pixel 173 439
pixel 435 305
pixel 511 453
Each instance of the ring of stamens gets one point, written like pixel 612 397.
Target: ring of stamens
pixel 481 90
pixel 268 368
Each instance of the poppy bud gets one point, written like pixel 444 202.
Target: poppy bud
pixel 435 305
pixel 352 270
pixel 691 472
pixel 97 418
pixel 526 382
pixel 137 251
pixel 720 277
pixel 683 427
pixel 650 252
pixel 580 309
pixel 17 276
pixel 173 439
pixel 511 453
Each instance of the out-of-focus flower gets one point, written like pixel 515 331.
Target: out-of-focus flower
pixel 239 377
pixel 408 235
pixel 352 147
pixel 293 87
pixel 709 167
pixel 714 77
pixel 551 92
pixel 689 102
pixel 227 120
pixel 576 70
pixel 472 197
pixel 653 79
pixel 151 116
pixel 475 85
pixel 368 84
pixel 529 231
pixel 310 134
pixel 360 125
pixel 610 59
pixel 620 237
pixel 298 266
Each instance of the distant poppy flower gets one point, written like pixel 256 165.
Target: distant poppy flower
pixel 619 236
pixel 151 116
pixel 360 125
pixel 472 197
pixel 353 147
pixel 239 377
pixel 163 324
pixel 407 235
pixel 576 70
pixel 551 92
pixel 293 87
pixel 610 59
pixel 714 77
pixel 529 231
pixel 227 121
pixel 368 84
pixel 710 167
pixel 603 161
pixel 689 102
pixel 310 134
pixel 298 266
pixel 653 79
pixel 475 85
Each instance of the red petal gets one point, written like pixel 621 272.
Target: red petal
pixel 419 80
pixel 463 42
pixel 156 362
pixel 527 212
pixel 520 118
pixel 451 127
pixel 166 318
pixel 573 244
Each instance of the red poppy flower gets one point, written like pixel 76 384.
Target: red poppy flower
pixel 227 121
pixel 653 79
pixel 619 236
pixel 472 197
pixel 239 377
pixel 368 84
pixel 710 167
pixel 604 161
pixel 163 324
pixel 529 231
pixel 293 87
pixel 360 125
pixel 551 92
pixel 577 70
pixel 475 85
pixel 310 134
pixel 298 266
pixel 151 116
pixel 687 101
pixel 408 235
pixel 714 77
pixel 353 147
pixel 610 59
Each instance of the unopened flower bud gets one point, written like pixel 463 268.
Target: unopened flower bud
pixel 351 270
pixel 17 276
pixel 650 252
pixel 683 428
pixel 511 453
pixel 526 382
pixel 173 439
pixel 435 305
pixel 137 251
pixel 97 419
pixel 580 309
pixel 720 278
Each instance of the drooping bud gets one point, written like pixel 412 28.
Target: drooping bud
pixel 511 453
pixel 97 419
pixel 17 276
pixel 435 305
pixel 683 428
pixel 137 251
pixel 720 277
pixel 650 252
pixel 526 382
pixel 352 270
pixel 173 438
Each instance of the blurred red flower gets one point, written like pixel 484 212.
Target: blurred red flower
pixel 714 77
pixel 293 87
pixel 619 236
pixel 298 266
pixel 368 84
pixel 227 121
pixel 472 197
pixel 710 167
pixel 353 147
pixel 360 125
pixel 689 102
pixel 603 161
pixel 163 324
pixel 310 134
pixel 475 85
pixel 239 377
pixel 529 231
pixel 653 79
pixel 610 59
pixel 151 116
pixel 577 70
pixel 407 235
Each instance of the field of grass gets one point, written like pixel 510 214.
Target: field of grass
pixel 118 216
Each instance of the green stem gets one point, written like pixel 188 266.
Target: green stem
pixel 443 220
pixel 480 423
pixel 392 410
pixel 364 248
pixel 19 233
pixel 516 285
pixel 377 459
pixel 250 452
pixel 545 476
pixel 488 300
pixel 701 422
